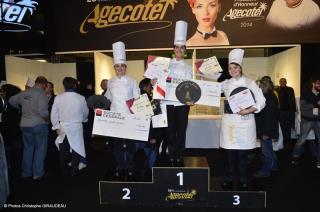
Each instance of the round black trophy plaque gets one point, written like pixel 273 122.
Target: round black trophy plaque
pixel 188 92
pixel 227 108
pixel 239 89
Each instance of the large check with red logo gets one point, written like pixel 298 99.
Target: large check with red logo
pixel 121 125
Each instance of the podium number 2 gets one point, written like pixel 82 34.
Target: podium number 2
pixel 126 195
pixel 236 200
pixel 180 175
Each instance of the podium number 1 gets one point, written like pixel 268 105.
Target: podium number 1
pixel 180 175
pixel 126 195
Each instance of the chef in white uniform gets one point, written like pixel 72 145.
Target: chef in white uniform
pixel 238 131
pixel 69 110
pixel 177 112
pixel 122 88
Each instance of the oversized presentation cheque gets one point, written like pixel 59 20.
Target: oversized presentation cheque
pixel 121 125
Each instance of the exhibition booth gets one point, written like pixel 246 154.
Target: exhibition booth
pixel 272 34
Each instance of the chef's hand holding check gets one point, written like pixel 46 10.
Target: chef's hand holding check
pixel 190 103
pixel 247 111
pixel 154 81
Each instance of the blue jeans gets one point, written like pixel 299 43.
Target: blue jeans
pixel 306 126
pixel 34 150
pixel 149 151
pixel 269 157
pixel 4 183
pixel 83 160
pixel 124 150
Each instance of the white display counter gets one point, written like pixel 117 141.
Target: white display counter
pixel 203 131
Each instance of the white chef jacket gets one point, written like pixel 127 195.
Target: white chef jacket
pixel 304 15
pixel 181 70
pixel 239 132
pixel 121 89
pixel 69 110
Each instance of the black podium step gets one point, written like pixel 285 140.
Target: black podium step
pixel 174 186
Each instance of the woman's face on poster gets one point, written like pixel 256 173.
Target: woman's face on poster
pixel 206 12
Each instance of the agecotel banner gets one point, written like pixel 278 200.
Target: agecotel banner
pixel 85 25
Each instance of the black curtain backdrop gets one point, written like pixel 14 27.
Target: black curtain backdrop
pixel 310 54
pixel 2 66
pixel 85 72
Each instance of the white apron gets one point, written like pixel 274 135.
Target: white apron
pixel 238 132
pixel 74 133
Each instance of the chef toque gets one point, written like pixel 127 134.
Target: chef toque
pixel 236 56
pixel 119 53
pixel 180 35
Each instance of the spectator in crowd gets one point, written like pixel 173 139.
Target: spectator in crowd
pixel 52 156
pixel 288 108
pixel 69 111
pixel 104 86
pixel 85 88
pixel 150 148
pixel 267 122
pixel 4 179
pixel 310 119
pixel 10 129
pixel 34 126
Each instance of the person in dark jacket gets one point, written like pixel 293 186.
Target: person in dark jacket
pixel 52 159
pixel 267 122
pixel 150 148
pixel 287 108
pixel 310 119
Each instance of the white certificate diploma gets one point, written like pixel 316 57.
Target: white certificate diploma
pixel 121 125
pixel 209 68
pixel 161 120
pixel 241 100
pixel 158 67
pixel 142 106
pixel 210 91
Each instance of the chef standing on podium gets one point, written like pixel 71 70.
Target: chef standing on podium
pixel 238 131
pixel 177 112
pixel 122 88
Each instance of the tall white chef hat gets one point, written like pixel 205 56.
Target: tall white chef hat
pixel 180 35
pixel 119 53
pixel 236 56
pixel 30 82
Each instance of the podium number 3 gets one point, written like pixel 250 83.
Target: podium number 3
pixel 126 195
pixel 180 175
pixel 236 200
